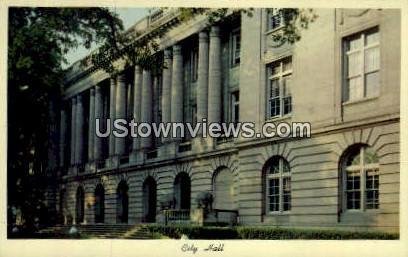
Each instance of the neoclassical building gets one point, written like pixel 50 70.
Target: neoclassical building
pixel 343 77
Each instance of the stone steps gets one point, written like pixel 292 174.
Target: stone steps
pixel 111 231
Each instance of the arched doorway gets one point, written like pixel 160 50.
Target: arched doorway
pixel 223 190
pixel 99 204
pixel 182 191
pixel 80 205
pixel 122 202
pixel 149 200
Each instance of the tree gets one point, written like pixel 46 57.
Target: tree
pixel 39 38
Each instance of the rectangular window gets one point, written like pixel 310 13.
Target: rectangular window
pixel 275 19
pixel 274 194
pixel 235 47
pixel 353 193
pixel 362 65
pixel 279 88
pixel 372 183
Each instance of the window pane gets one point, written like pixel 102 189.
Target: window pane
pixel 372 37
pixel 372 84
pixel 353 190
pixel 274 88
pixel 274 20
pixel 353 200
pixel 286 194
pixel 372 59
pixel 356 89
pixel 354 64
pixel 354 43
pixel 287 105
pixel 353 180
pixel 287 81
pixel 370 156
pixel 274 107
pixel 372 192
pixel 287 64
pixel 274 166
pixel 354 157
pixel 274 194
pixel 275 68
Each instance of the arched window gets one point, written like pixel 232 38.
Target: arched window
pixel 277 185
pixel 149 199
pixel 360 178
pixel 80 205
pixel 182 191
pixel 99 204
pixel 122 202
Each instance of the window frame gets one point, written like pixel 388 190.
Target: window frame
pixel 280 176
pixel 274 13
pixel 280 77
pixel 361 35
pixel 234 59
pixel 234 103
pixel 361 168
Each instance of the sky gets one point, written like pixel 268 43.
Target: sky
pixel 129 17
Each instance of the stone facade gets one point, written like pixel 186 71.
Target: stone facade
pixel 207 69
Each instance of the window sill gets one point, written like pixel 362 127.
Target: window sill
pixel 270 31
pixel 279 118
pixel 366 99
pixel 374 211
pixel 278 213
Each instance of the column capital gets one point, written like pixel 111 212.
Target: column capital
pixel 121 78
pixel 177 50
pixel 73 99
pixel 92 90
pixel 79 98
pixel 215 31
pixel 203 36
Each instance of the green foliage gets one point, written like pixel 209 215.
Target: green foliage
pixel 269 233
pixel 38 39
pixel 289 233
pixel 294 21
pixel 142 51
pixel 194 232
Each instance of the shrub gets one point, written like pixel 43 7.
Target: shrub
pixel 291 233
pixel 268 233
pixel 195 232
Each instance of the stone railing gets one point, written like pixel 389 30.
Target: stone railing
pixel 176 216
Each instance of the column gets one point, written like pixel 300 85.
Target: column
pixel 121 92
pixel 147 102
pixel 177 87
pixel 166 89
pixel 202 80
pixel 112 114
pixel 98 115
pixel 137 99
pixel 62 137
pixel 91 130
pixel 79 131
pixel 73 130
pixel 214 76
